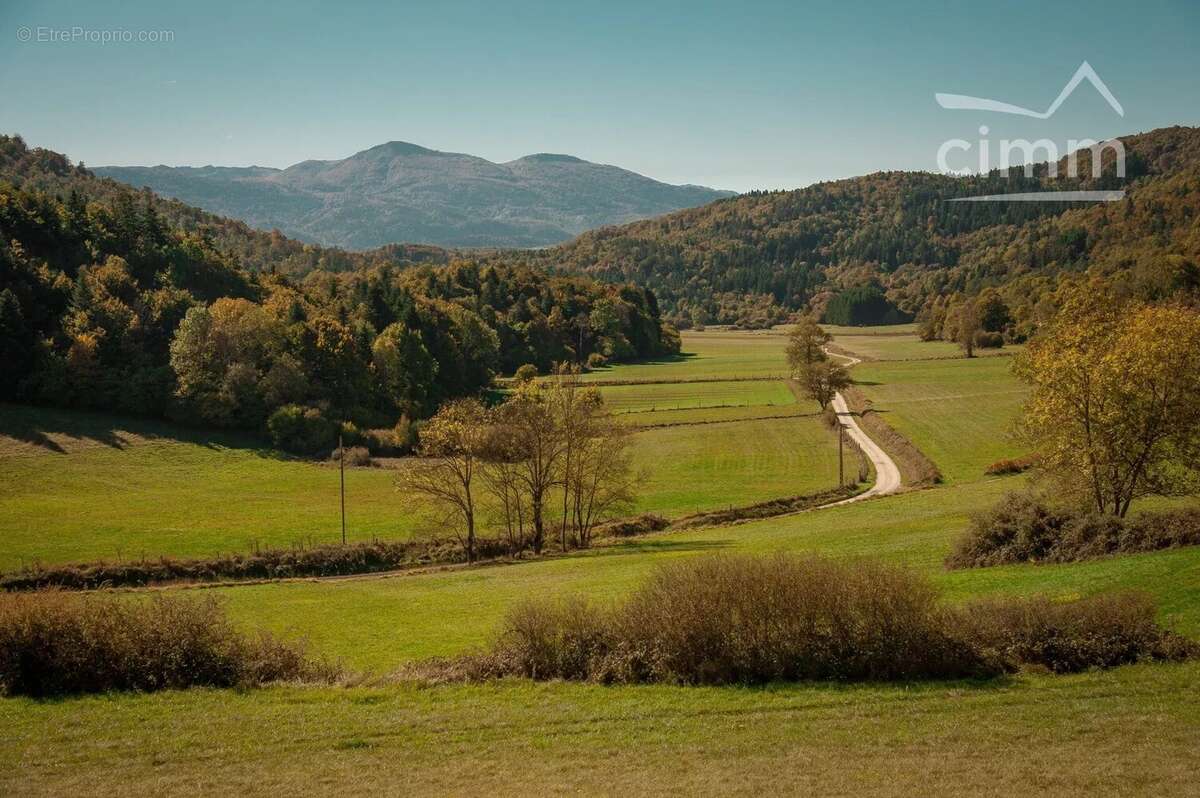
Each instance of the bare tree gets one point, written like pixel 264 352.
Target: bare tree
pixel 453 443
pixel 602 482
pixel 536 450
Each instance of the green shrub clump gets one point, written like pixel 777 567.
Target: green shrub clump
pixel 302 430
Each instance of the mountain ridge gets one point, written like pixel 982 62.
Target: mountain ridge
pixel 398 191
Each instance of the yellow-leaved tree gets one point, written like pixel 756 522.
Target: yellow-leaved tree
pixel 1114 413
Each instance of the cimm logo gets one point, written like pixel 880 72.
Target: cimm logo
pixel 1028 151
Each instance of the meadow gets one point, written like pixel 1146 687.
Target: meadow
pixel 87 486
pixel 1132 730
pixel 710 353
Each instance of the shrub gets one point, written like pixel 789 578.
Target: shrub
pixel 629 527
pixel 1021 528
pixel 1102 631
pixel 596 360
pixel 330 560
pixel 988 340
pixel 349 434
pixel 356 456
pixel 526 373
pixel 53 643
pixel 745 620
pixel 391 442
pixel 301 430
pixel 723 620
pixel 1016 465
pixel 1018 528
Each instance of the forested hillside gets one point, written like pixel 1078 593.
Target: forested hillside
pixel 116 299
pixel 755 258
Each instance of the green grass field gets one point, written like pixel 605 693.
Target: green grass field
pixel 686 395
pixel 714 466
pixel 88 486
pixel 1129 731
pixel 710 353
pixel 958 412
pixel 1126 732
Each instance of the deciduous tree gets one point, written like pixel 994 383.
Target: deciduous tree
pixel 1115 408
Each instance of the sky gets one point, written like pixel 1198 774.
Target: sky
pixel 748 95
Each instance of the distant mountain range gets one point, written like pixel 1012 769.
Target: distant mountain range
pixel 399 192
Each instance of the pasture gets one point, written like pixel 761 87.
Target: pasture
pixel 1030 734
pixel 693 395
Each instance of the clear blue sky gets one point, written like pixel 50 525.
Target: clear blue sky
pixel 734 95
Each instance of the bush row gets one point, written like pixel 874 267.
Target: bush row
pixel 53 643
pixel 1023 528
pixel 744 620
pixel 767 509
pixel 330 560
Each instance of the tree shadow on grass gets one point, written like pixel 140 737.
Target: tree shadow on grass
pixel 657 360
pixel 48 429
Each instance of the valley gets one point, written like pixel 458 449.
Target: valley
pixel 356 738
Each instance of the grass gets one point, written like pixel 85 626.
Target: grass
pixel 1131 731
pixel 375 623
pixel 958 412
pixel 709 353
pixel 878 346
pixel 695 468
pixel 89 486
pixel 684 395
pixel 78 486
pixel 1128 731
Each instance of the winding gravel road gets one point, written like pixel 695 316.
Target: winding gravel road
pixel 887 475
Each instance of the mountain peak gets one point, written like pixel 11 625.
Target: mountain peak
pixel 397 148
pixel 551 157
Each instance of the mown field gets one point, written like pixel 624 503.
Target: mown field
pixel 959 412
pixel 1130 731
pixel 83 486
pixel 711 353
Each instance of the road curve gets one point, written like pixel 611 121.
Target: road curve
pixel 887 475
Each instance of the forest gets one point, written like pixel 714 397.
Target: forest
pixel 114 299
pixel 754 259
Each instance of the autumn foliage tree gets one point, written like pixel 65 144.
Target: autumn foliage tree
pixel 1114 412
pixel 806 345
pixel 823 380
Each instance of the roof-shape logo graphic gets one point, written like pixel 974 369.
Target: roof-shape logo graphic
pixel 961 102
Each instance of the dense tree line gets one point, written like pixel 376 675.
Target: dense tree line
pixel 107 303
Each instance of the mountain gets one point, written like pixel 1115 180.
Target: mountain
pixel 756 258
pixel 402 192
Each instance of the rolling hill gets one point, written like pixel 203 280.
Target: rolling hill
pixel 402 192
pixel 758 256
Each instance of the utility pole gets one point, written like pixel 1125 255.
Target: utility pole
pixel 841 459
pixel 342 469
